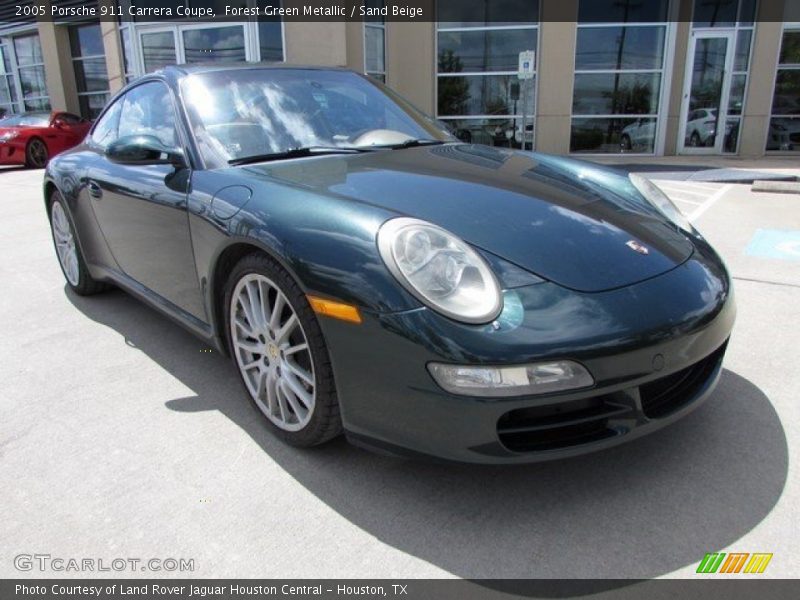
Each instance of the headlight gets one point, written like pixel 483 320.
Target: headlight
pixel 519 380
pixel 9 135
pixel 659 199
pixel 441 270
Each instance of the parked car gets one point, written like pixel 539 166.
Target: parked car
pixel 32 138
pixel 701 127
pixel 639 135
pixel 371 275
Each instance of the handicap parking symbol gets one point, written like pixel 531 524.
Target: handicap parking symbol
pixel 775 243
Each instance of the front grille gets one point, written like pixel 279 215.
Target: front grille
pixel 560 425
pixel 668 394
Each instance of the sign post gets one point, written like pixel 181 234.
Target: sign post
pixel 527 63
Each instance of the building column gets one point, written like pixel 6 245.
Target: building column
pixel 58 68
pixel 316 43
pixel 411 62
pixel 556 66
pixel 672 111
pixel 112 44
pixel 761 85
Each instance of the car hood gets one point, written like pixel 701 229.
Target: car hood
pixel 573 223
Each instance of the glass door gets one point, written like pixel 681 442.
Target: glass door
pixel 704 111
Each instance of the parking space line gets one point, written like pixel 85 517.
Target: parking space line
pixel 709 203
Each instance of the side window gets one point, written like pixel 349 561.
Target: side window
pixel 147 110
pixel 105 131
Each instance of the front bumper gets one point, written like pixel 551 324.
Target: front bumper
pixel 11 153
pixel 655 350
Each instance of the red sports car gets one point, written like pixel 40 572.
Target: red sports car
pixel 31 138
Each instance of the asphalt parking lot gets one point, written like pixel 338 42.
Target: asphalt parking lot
pixel 121 436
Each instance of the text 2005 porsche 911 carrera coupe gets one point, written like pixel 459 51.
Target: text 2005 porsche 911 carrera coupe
pixel 370 275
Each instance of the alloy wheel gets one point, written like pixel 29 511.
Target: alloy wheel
pixel 272 352
pixel 65 243
pixel 37 154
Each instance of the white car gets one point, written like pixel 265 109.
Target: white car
pixel 701 127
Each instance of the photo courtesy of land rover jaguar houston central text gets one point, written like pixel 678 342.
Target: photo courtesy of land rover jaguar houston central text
pixel 371 275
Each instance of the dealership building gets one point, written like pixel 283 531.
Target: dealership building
pixel 639 77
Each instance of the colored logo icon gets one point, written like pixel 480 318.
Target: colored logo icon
pixel 734 562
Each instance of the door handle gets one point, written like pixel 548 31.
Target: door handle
pixel 95 191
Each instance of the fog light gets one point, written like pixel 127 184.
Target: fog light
pixel 518 380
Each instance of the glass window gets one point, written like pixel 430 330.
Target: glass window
pixel 147 110
pixel 616 93
pixel 784 127
pixel 625 48
pixel 479 13
pixel 622 11
pixel 86 40
pixel 105 131
pixel 618 73
pixel 224 44
pixel 375 42
pixel 723 13
pixel 91 73
pixel 478 45
pixel 613 135
pixel 270 39
pixel 484 50
pixel 158 50
pixel 28 50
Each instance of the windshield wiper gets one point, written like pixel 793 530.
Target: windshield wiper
pixel 411 144
pixel 296 153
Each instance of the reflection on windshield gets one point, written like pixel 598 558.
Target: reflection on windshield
pixel 246 112
pixel 27 119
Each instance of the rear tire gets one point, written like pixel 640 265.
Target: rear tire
pixel 36 154
pixel 68 250
pixel 277 346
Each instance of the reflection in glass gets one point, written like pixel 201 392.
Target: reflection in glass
pixel 158 50
pixel 270 39
pixel 613 135
pixel 506 133
pixel 705 95
pixel 616 93
pixel 92 104
pixel 736 98
pixel 91 75
pixel 374 49
pixel 37 104
pixel 627 48
pixel 742 58
pixel 481 95
pixel 786 100
pixel 622 11
pixel 485 50
pixel 784 134
pixel 715 13
pixel 790 48
pixel 225 44
pixel 28 50
pixel 147 110
pixel 86 40
pixel 32 81
pixel 731 143
pixel 479 13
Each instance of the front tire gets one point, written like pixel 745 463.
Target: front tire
pixel 278 349
pixel 68 251
pixel 36 154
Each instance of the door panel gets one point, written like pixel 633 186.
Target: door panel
pixel 141 209
pixel 706 94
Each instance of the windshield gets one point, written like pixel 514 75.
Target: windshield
pixel 242 113
pixel 26 119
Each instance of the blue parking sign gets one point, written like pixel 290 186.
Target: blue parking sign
pixel 775 243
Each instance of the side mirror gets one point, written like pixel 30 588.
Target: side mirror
pixel 143 150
